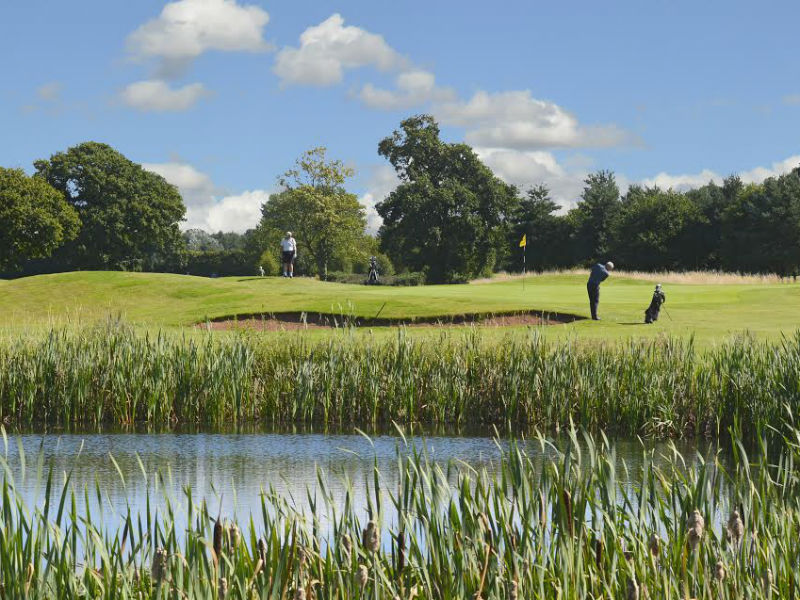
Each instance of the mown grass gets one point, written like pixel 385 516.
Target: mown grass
pixel 660 388
pixel 709 311
pixel 566 527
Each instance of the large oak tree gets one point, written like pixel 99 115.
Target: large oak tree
pixel 129 216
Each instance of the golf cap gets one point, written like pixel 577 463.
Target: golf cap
pixel 609 265
pixel 288 234
pixel 658 286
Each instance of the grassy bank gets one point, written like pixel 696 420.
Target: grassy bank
pixel 708 306
pixel 660 388
pixel 567 527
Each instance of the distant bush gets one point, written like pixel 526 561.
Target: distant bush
pixel 402 279
pixel 269 260
pixel 220 263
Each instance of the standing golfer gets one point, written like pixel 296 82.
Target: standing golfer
pixel 289 253
pixel 598 275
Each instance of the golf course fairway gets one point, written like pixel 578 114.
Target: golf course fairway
pixel 709 311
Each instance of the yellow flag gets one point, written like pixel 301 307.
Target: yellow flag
pixel 524 241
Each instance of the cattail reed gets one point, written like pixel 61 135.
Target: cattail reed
pixel 735 527
pixel 158 571
pixel 654 544
pixel 217 543
pixel 697 527
pixel 719 571
pixel 222 590
pixel 362 576
pixel 369 537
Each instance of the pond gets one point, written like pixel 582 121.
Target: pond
pixel 230 470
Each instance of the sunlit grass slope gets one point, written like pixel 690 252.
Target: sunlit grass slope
pixel 708 310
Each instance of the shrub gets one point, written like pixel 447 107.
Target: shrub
pixel 221 263
pixel 270 262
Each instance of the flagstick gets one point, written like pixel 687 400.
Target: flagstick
pixel 524 253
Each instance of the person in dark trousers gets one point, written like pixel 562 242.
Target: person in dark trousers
pixel 597 276
pixel 659 297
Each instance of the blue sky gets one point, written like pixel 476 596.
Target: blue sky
pixel 220 96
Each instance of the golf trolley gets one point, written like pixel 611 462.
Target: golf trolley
pixel 372 277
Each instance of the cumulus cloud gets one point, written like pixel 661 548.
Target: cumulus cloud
pixel 381 182
pixel 515 119
pixel 154 95
pixel 207 206
pixel 792 100
pixel 328 49
pixel 413 87
pixel 526 169
pixel 185 29
pixel 690 180
pixel 49 92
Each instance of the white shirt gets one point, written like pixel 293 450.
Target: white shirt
pixel 288 245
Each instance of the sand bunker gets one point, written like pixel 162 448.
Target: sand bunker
pixel 295 320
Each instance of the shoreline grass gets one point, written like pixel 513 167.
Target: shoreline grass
pixel 659 388
pixel 565 527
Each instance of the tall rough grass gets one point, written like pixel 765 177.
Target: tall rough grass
pixel 652 388
pixel 563 528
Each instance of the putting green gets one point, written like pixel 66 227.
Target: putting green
pixel 709 311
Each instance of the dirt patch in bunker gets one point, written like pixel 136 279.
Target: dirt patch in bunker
pixel 288 321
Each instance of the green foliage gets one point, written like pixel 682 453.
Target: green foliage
pixel 129 216
pixel 652 230
pixel 548 234
pixel 449 216
pixel 220 263
pixel 270 262
pixel 761 228
pixel 325 220
pixel 593 218
pixel 198 240
pixel 34 218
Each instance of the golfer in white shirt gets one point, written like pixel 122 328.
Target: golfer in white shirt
pixel 289 253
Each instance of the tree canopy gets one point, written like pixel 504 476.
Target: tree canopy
pixel 449 217
pixel 35 219
pixel 325 219
pixel 129 216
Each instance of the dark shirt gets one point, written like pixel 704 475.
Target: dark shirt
pixel 598 274
pixel 658 299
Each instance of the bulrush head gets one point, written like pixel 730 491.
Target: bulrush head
pixel 299 594
pixel 369 537
pixel 654 544
pixel 633 590
pixel 513 591
pixel 697 526
pixel 719 571
pixel 218 537
pixel 262 550
pixel 159 569
pixel 234 535
pixel 735 527
pixel 222 590
pixel 362 576
pixel 347 546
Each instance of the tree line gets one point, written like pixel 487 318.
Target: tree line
pixel 449 220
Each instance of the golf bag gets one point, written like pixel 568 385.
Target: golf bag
pixel 659 297
pixel 372 277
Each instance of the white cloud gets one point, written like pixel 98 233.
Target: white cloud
pixel 329 48
pixel 382 181
pixel 792 100
pixel 157 96
pixel 207 206
pixel 414 87
pixel 237 213
pixel 50 92
pixel 515 119
pixel 185 29
pixel 527 169
pixel 692 180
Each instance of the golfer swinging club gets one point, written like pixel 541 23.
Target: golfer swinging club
pixel 597 276
pixel 289 253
